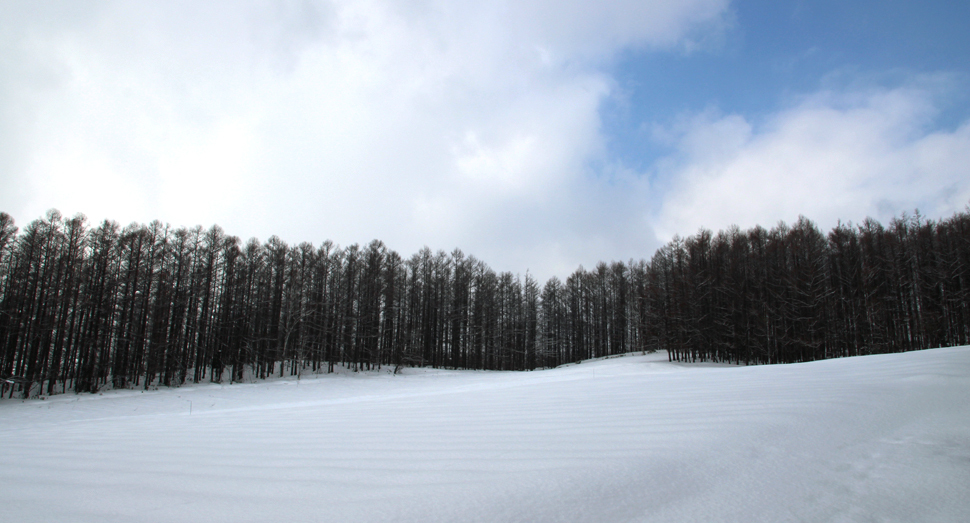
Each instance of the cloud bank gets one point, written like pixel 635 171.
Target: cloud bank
pixel 846 154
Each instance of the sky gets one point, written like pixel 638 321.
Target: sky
pixel 537 136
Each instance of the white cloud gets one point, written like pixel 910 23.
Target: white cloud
pixel 441 123
pixel 837 154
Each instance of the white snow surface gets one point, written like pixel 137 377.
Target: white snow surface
pixel 634 438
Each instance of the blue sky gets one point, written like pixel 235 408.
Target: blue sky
pixel 778 50
pixel 536 135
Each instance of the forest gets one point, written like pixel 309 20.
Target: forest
pixel 85 307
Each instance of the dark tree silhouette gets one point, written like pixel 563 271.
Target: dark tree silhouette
pixel 148 305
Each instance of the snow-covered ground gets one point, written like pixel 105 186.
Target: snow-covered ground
pixel 877 438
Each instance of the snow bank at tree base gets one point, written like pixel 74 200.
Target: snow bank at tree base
pixel 876 438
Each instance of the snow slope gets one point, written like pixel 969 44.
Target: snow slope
pixel 876 438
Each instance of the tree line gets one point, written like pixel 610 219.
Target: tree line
pixel 84 307
pixel 793 294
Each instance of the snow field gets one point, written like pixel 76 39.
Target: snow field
pixel 876 438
